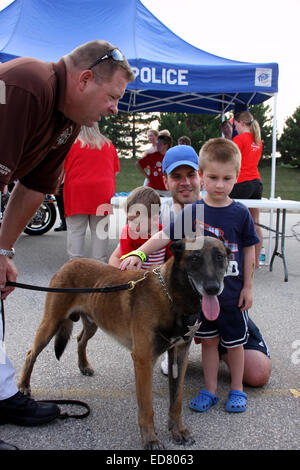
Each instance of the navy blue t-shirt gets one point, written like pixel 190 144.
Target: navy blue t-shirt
pixel 232 224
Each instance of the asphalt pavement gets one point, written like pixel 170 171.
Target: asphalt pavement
pixel 271 421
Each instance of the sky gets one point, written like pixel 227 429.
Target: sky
pixel 255 31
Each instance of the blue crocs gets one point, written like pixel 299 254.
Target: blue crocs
pixel 237 401
pixel 203 401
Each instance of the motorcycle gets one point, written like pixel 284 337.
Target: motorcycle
pixel 44 218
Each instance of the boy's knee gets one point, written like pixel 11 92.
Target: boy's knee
pixel 210 342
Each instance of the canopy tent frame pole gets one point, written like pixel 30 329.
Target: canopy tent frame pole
pixel 273 174
pixel 274 139
pixel 185 99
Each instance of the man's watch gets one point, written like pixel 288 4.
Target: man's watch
pixel 9 253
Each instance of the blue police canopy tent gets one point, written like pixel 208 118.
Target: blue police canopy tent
pixel 171 75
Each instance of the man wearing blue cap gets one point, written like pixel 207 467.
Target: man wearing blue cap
pixel 181 178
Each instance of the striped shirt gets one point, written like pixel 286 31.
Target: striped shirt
pixel 157 257
pixel 127 244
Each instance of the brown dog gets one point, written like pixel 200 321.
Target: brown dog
pixel 155 316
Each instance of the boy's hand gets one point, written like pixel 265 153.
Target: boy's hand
pixel 246 299
pixel 131 263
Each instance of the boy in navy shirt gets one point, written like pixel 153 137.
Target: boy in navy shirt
pixel 218 215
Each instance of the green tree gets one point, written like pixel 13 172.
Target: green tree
pixel 127 131
pixel 289 142
pixel 201 127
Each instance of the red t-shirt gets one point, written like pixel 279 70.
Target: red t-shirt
pixel 251 153
pixel 89 178
pixel 128 244
pixel 154 162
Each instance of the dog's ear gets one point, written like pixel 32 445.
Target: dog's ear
pixel 177 248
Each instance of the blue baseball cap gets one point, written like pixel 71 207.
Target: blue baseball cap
pixel 180 155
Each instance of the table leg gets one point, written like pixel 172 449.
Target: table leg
pixel 281 253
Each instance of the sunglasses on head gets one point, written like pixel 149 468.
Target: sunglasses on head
pixel 115 54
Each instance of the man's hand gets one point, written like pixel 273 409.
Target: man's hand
pixel 8 272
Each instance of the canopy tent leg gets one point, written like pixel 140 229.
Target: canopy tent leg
pixel 273 174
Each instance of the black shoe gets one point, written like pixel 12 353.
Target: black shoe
pixel 61 228
pixel 6 446
pixel 24 411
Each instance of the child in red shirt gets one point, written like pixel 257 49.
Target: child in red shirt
pixel 142 207
pixel 152 162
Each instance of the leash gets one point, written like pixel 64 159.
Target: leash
pixel 2 319
pixel 130 285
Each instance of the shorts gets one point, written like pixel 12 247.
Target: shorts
pixel 231 325
pixel 255 341
pixel 247 190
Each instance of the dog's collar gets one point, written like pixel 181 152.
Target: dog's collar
pixel 162 281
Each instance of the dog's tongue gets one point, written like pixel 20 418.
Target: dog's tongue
pixel 210 307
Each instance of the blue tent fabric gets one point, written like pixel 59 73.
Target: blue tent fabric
pixel 171 75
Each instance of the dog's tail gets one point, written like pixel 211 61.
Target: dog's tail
pixel 62 337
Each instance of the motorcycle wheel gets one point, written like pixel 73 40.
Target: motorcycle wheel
pixel 43 220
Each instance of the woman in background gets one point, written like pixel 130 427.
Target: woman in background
pixel 249 184
pixel 90 169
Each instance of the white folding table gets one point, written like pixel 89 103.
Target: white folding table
pixel 281 206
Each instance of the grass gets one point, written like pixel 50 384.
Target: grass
pixel 287 183
pixel 129 176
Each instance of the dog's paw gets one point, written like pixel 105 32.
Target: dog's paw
pixel 154 445
pixel 183 437
pixel 87 370
pixel 25 390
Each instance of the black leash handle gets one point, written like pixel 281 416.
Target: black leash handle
pixel 66 415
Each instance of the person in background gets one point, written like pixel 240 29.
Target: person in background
pixel 46 104
pixel 226 129
pixel 249 184
pixel 184 140
pixel 61 208
pixel 153 164
pixel 90 170
pixel 164 132
pixel 152 138
pixel 152 135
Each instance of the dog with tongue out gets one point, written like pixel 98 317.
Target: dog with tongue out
pixel 210 307
pixel 209 280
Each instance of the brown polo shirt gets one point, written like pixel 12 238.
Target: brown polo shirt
pixel 35 136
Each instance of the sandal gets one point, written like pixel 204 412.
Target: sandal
pixel 237 401
pixel 203 401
